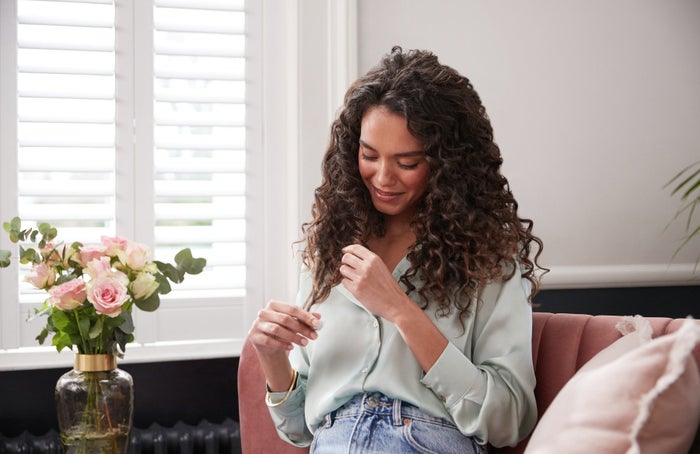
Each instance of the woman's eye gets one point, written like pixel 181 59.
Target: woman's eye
pixel 408 166
pixel 368 158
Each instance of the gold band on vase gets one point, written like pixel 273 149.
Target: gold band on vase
pixel 95 363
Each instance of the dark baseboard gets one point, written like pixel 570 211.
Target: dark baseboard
pixel 165 393
pixel 674 302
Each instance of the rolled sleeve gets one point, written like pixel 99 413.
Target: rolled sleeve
pixel 487 385
pixel 453 379
pixel 289 418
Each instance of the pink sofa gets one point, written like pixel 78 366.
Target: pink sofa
pixel 561 343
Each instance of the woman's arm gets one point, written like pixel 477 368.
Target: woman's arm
pixel 370 281
pixel 275 331
pixel 489 390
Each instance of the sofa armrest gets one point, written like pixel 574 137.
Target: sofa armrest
pixel 258 433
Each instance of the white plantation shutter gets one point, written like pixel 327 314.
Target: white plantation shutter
pixel 130 119
pixel 199 137
pixel 65 121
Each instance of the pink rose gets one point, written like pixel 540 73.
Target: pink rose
pixel 114 244
pixel 89 253
pixel 107 295
pixel 68 295
pixel 135 256
pixel 41 275
pixel 99 268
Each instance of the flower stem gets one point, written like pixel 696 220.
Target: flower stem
pixel 82 338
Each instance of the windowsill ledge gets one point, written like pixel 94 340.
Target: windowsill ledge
pixel 26 358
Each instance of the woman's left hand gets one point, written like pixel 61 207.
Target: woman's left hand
pixel 367 277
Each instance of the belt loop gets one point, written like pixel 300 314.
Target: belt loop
pixel 329 419
pixel 363 401
pixel 396 412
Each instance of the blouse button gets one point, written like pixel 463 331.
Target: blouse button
pixel 375 323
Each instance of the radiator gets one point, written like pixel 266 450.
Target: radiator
pixel 204 438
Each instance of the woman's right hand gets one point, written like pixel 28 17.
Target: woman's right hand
pixel 274 332
pixel 281 325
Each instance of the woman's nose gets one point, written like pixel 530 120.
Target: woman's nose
pixel 384 175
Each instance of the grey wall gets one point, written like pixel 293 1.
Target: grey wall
pixel 595 105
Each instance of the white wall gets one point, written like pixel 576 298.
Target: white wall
pixel 595 105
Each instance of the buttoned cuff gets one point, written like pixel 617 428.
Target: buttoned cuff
pixel 454 378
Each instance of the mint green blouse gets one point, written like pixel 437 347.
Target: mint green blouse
pixel 483 381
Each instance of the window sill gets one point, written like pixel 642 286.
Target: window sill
pixel 26 358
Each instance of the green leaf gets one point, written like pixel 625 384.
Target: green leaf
pixel 687 240
pixel 5 258
pixel 95 329
pixel 13 226
pixel 680 174
pixel 62 340
pixel 169 271
pixel 185 265
pixel 188 264
pixel 60 320
pixel 28 256
pixel 65 278
pixel 128 324
pixel 42 336
pixel 690 183
pixel 123 339
pixel 692 188
pixel 163 284
pixel 149 304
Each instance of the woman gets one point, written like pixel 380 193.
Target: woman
pixel 412 327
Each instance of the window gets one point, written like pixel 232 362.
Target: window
pixel 129 117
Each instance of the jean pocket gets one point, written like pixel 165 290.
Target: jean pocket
pixel 434 437
pixel 319 432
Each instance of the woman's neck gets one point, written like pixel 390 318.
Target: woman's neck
pixel 395 243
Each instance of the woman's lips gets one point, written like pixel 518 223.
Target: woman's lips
pixel 385 196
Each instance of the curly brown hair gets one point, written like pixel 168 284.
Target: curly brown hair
pixel 467 227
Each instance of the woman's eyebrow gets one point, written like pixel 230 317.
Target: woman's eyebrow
pixel 405 154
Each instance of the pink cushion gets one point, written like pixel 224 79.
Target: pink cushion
pixel 634 396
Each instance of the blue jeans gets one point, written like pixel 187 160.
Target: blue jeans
pixel 375 423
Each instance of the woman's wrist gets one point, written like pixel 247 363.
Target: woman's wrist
pixel 277 370
pixel 268 398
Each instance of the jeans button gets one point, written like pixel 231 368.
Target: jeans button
pixel 373 401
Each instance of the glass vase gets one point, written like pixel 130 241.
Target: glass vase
pixel 95 403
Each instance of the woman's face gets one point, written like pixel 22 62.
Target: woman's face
pixel 392 162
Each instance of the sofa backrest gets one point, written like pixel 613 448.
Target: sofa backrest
pixel 561 344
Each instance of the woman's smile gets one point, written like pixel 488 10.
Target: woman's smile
pixel 386 196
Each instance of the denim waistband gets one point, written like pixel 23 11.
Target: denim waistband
pixel 382 405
